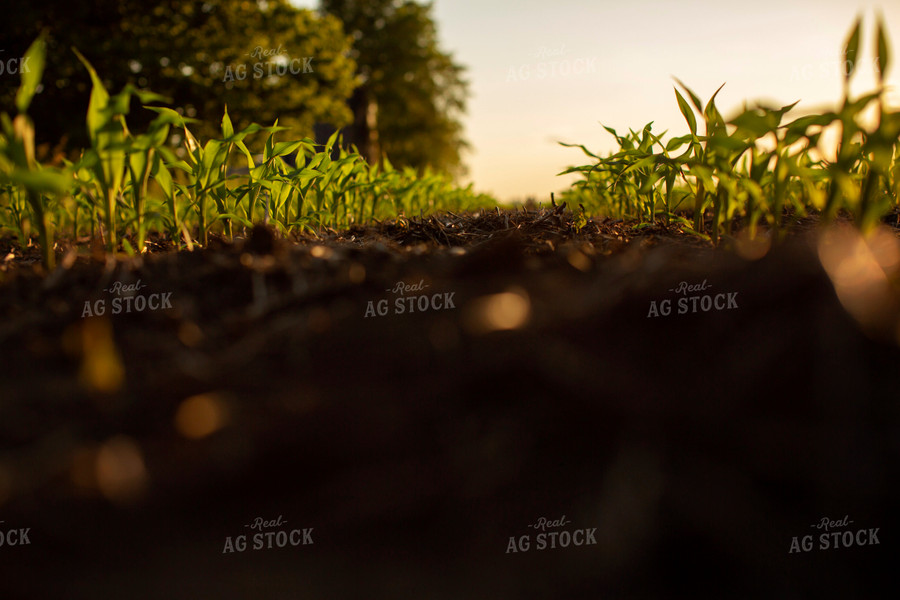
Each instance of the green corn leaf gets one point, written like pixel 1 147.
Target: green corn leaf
pixel 43 181
pixel 155 137
pixel 646 138
pixel 694 99
pixel 227 127
pixel 657 139
pixel 119 104
pixel 677 142
pixel 270 146
pixel 243 148
pixel 317 160
pixel 619 139
pixel 19 148
pixel 704 174
pixel 233 217
pixel 98 102
pixel 783 111
pixel 259 173
pixel 214 155
pixel 138 163
pixel 285 148
pixel 798 128
pixel 35 58
pixel 849 111
pixel 304 176
pixel 146 96
pixel 195 152
pixel 728 143
pixel 583 149
pixel 687 112
pixel 711 114
pixel 882 53
pixel 167 153
pixel 161 175
pixel 650 181
pixel 851 48
pixel 574 170
pixel 753 121
pixel 334 138
pixel 649 161
pixel 250 129
pixel 182 166
pixel 169 116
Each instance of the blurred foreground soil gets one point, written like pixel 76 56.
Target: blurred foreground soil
pixel 533 381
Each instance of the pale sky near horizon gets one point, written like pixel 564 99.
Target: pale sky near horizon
pixel 614 64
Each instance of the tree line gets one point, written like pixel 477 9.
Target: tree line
pixel 373 68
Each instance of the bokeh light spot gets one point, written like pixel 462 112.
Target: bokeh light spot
pixel 200 416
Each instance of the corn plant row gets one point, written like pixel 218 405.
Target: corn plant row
pixel 753 169
pixel 137 184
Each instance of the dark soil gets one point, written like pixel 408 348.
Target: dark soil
pixel 696 446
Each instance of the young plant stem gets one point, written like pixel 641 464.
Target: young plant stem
pixel 40 216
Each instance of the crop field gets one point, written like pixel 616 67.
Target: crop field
pixel 690 352
pixel 753 171
pixel 128 186
pixel 755 168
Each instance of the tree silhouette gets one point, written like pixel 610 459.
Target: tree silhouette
pixel 418 89
pixel 265 59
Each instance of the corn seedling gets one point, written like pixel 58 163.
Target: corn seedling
pixel 20 173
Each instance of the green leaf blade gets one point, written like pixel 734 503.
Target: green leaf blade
pixel 851 49
pixel 36 55
pixel 687 112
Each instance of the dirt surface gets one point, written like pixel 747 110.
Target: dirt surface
pixel 534 381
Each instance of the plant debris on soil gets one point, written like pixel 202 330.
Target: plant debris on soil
pixel 542 230
pixel 417 443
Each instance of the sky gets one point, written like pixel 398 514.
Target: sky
pixel 542 72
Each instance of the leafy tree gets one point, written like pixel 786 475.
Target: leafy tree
pixel 419 91
pixel 265 59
